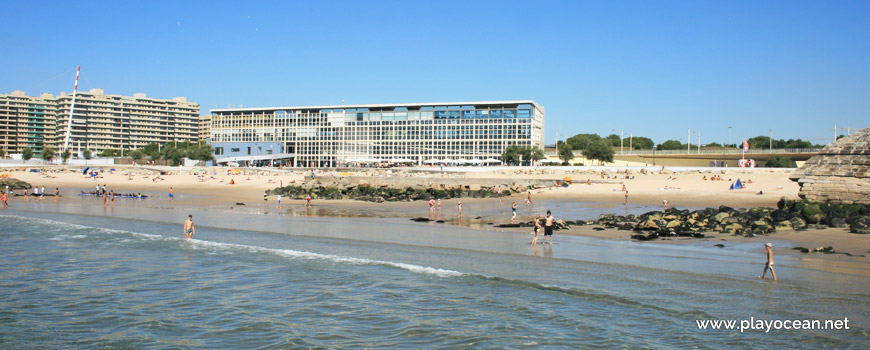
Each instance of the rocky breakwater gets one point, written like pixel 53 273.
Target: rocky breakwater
pixel 387 193
pixel 674 222
pixel 14 184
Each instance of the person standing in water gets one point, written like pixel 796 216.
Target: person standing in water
pixel 537 229
pixel 769 263
pixel 189 229
pixel 513 212
pixel 548 227
pixel 459 207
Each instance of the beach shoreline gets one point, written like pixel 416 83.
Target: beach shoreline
pixel 211 190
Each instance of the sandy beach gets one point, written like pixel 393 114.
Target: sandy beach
pixel 215 189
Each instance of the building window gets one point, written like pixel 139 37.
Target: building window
pixel 218 151
pixel 234 150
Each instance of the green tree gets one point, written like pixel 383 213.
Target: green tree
pixel 780 162
pixel 713 144
pixel 602 150
pixel 511 155
pixel 671 144
pixel 65 155
pixel 152 150
pixel 109 152
pixel 581 141
pixel 172 153
pixel 48 154
pixel 566 154
pixel 136 154
pixel 532 153
pixel 87 154
pixel 640 142
pixel 614 140
pixel 26 153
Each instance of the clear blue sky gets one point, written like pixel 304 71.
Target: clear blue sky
pixel 652 68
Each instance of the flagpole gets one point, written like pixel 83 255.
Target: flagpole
pixel 72 108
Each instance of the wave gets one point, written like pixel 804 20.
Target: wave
pixel 289 253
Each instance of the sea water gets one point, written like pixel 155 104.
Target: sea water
pixel 81 277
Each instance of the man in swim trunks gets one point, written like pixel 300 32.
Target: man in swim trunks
pixel 769 263
pixel 548 227
pixel 189 229
pixel 171 196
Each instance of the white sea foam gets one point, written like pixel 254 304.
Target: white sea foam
pixel 296 254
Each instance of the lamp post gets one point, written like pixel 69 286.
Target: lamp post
pixel 729 135
pixel 654 154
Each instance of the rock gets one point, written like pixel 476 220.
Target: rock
pixel 719 245
pixel 798 223
pixel 420 219
pixel 812 213
pixel 732 228
pixel 721 216
pixel 240 203
pixel 648 224
pixel 780 215
pixel 673 224
pixel 859 224
pixel 802 249
pixel 783 225
pixel 761 225
pixel 837 222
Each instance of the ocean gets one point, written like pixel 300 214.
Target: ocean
pixel 76 276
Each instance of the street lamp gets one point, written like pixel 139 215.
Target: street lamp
pixel 729 135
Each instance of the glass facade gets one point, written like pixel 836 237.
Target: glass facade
pixel 338 135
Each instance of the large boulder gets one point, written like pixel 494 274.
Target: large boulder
pixel 859 224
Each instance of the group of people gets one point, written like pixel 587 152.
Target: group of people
pixel 278 198
pixel 549 221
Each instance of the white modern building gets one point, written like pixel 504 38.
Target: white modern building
pixel 332 136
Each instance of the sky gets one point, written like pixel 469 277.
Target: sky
pixel 647 68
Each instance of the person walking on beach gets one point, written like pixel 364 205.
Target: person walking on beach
pixel 548 227
pixel 265 197
pixel 3 198
pixel 431 205
pixel 626 197
pixel 529 198
pixel 513 212
pixel 308 201
pixel 459 207
pixel 189 229
pixel 665 204
pixel 537 229
pixel 278 197
pixel 769 263
pixel 171 195
pixel 439 205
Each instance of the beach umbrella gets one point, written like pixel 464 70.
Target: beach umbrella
pixel 85 172
pixel 491 160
